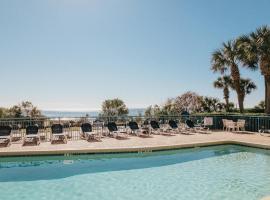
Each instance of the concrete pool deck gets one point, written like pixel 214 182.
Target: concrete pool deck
pixel 139 144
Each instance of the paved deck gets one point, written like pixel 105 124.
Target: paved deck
pixel 138 144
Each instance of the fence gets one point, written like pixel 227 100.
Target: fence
pixel 72 125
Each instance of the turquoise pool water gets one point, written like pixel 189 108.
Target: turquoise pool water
pixel 210 173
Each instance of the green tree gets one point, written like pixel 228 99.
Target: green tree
pixel 169 108
pixel 24 109
pixel 3 112
pixel 227 59
pixel 29 110
pixel 148 111
pixel 153 111
pixel 114 107
pixel 256 53
pixel 15 111
pixel 247 86
pixel 260 106
pixel 211 104
pixel 224 83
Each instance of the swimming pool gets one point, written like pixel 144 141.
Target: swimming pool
pixel 218 172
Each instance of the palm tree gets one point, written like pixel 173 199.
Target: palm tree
pixel 256 52
pixel 226 59
pixel 224 83
pixel 247 86
pixel 211 104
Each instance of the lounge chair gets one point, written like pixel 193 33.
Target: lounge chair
pixel 134 128
pixel 31 135
pixel 197 129
pixel 88 132
pixel 5 135
pixel 155 128
pixel 58 133
pixel 16 134
pixel 173 126
pixel 190 126
pixel 113 131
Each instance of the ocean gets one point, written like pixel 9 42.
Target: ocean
pixel 50 113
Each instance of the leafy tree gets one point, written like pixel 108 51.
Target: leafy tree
pixel 227 59
pixel 24 109
pixel 169 108
pixel 224 83
pixel 148 111
pixel 261 105
pixel 153 111
pixel 15 111
pixel 29 110
pixel 114 107
pixel 247 86
pixel 189 101
pixel 211 104
pixel 255 49
pixel 3 112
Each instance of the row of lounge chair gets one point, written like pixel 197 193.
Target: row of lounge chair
pixel 154 128
pixel 32 134
pixel 87 133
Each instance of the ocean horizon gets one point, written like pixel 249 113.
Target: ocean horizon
pixel 93 113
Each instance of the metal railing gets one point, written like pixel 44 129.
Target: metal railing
pixel 72 125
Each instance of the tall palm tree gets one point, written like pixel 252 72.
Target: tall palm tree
pixel 256 53
pixel 227 59
pixel 247 86
pixel 224 83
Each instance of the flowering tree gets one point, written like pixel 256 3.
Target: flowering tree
pixel 189 101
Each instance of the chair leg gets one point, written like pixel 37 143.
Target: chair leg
pixel 8 142
pixel 65 139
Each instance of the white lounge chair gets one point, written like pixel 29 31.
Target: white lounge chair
pixel 113 130
pixel 5 135
pixel 57 133
pixel 196 129
pixel 134 129
pixel 155 128
pixel 173 127
pixel 31 135
pixel 88 132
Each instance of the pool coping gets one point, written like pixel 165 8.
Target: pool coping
pixel 130 149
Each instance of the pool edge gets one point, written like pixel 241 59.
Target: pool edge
pixel 131 149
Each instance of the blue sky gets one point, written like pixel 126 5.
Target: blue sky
pixel 73 54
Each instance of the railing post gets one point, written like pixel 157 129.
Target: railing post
pixel 258 123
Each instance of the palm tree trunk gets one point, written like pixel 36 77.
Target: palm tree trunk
pixel 267 94
pixel 236 82
pixel 226 97
pixel 227 105
pixel 241 101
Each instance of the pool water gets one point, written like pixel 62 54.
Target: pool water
pixel 210 173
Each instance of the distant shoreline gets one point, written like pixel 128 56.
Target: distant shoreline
pixel 51 113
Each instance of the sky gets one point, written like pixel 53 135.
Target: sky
pixel 74 54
